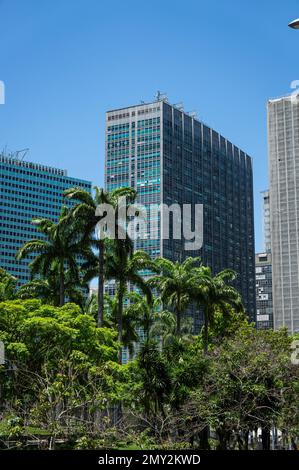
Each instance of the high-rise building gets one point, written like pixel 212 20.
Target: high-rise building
pixel 283 141
pixel 171 157
pixel 28 190
pixel 263 272
pixel 264 301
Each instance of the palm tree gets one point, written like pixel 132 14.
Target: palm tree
pixel 48 289
pixel 213 293
pixel 85 212
pixel 129 320
pixel 125 268
pixel 155 322
pixel 59 249
pixel 165 328
pixel 156 381
pixel 90 306
pixel 175 285
pixel 143 314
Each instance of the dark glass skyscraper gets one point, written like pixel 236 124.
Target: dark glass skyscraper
pixel 171 157
pixel 28 190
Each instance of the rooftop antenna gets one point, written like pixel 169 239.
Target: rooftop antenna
pixel 179 106
pixel 16 155
pixel 161 96
pixel 193 114
pixel 21 154
pixel 4 151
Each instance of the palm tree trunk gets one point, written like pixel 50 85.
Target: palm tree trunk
pixel 265 438
pixel 61 285
pixel 204 438
pixel 206 332
pixel 101 286
pixel 121 289
pixel 293 443
pixel 178 323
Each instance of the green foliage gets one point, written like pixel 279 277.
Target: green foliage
pixel 62 378
pixel 214 295
pixel 7 285
pixel 248 384
pixel 55 257
pixel 151 375
pixel 63 375
pixel 124 267
pixel 85 214
pixel 175 284
pixel 46 330
pixel 48 289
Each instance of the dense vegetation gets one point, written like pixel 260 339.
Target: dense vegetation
pixel 64 385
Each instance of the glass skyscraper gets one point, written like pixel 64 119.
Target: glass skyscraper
pixel 171 157
pixel 28 190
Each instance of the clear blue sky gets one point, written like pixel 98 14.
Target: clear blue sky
pixel 65 62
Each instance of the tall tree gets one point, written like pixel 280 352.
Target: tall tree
pixel 125 268
pixel 129 320
pixel 155 380
pixel 143 313
pixel 174 282
pixel 214 293
pixel 85 213
pixel 59 249
pixel 48 289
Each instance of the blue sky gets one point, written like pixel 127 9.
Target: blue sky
pixel 65 62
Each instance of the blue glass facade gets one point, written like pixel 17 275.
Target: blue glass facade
pixel 133 158
pixel 28 190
